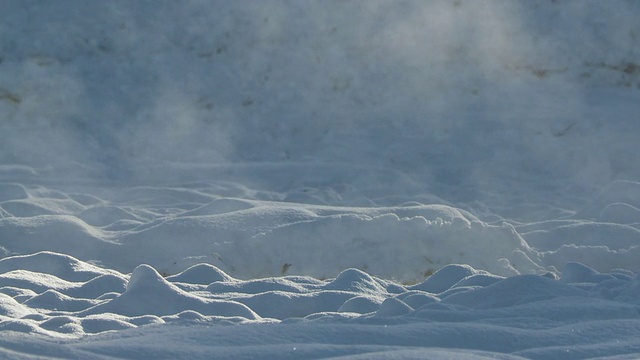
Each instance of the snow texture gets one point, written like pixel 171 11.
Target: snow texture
pixel 319 179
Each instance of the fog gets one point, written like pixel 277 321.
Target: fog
pixel 483 96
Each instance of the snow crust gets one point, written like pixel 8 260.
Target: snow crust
pixel 320 179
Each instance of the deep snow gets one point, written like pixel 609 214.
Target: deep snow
pixel 191 314
pixel 327 179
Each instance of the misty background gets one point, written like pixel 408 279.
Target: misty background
pixel 463 99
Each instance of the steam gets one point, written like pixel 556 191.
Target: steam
pixel 450 93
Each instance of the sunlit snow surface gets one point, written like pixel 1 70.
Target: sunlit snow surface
pixel 583 314
pixel 319 179
pixel 177 266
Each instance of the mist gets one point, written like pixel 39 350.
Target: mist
pixel 448 98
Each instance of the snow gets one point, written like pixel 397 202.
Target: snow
pixel 327 179
pixel 585 313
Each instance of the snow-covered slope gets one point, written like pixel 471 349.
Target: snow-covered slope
pixel 311 171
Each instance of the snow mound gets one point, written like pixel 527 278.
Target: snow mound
pixel 621 213
pixel 356 281
pixel 10 192
pixel 574 272
pixel 34 207
pixel 513 291
pixel 11 308
pixel 63 266
pixel 264 238
pixel 102 215
pixel 53 300
pixel 203 274
pixel 149 294
pixel 220 206
pixel 445 278
pixel 98 286
pixel 457 300
pixel 145 295
pixel 616 192
pixel 393 307
pixel 35 233
pixel 361 304
pixel 34 281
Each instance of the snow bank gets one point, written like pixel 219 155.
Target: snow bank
pixel 581 311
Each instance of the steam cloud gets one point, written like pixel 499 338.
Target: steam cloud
pixel 448 92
